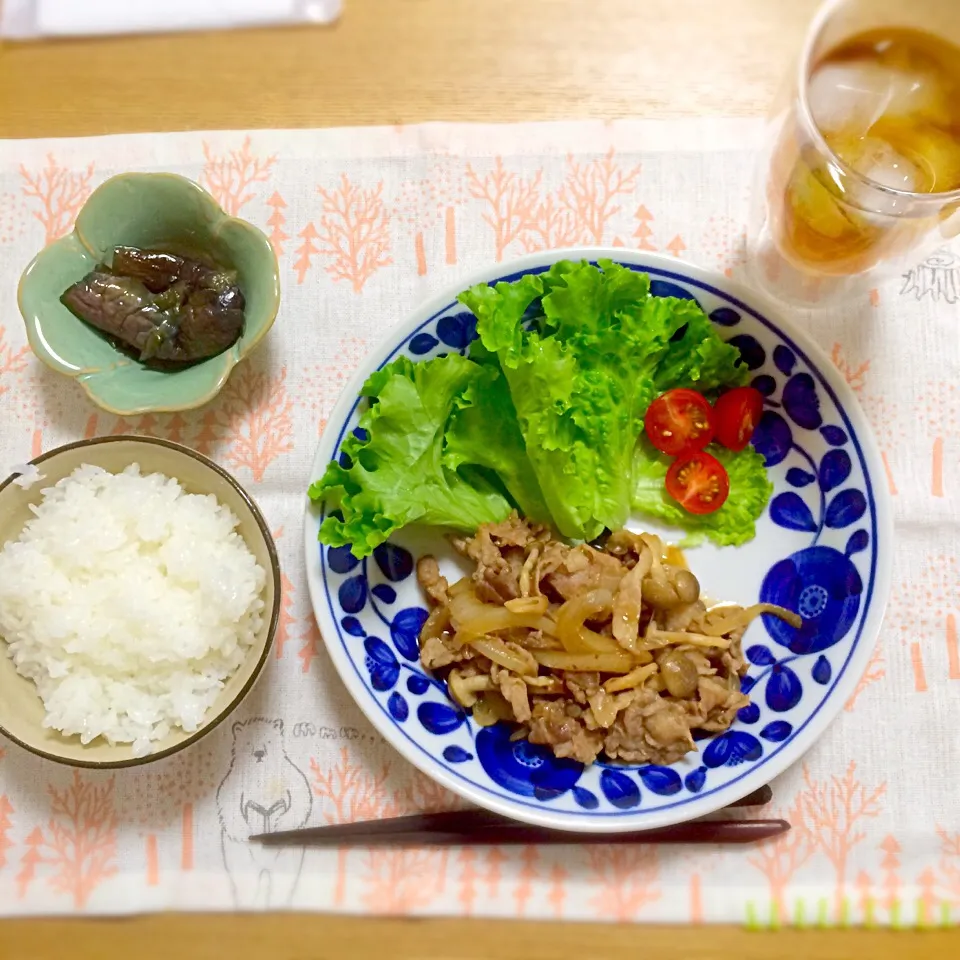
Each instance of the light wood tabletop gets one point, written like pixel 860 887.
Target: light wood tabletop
pixel 405 61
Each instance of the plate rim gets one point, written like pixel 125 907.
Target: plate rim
pixel 756 302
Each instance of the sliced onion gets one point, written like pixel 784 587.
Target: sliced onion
pixel 573 634
pixel 744 617
pixel 501 654
pixel 618 661
pixel 435 624
pixel 491 708
pixel 632 679
pixel 627 606
pixel 525 605
pixel 472 618
pixel 661 638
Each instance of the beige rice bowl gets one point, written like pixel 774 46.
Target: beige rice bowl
pixel 129 603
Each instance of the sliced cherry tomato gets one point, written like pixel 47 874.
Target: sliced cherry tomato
pixel 679 420
pixel 737 414
pixel 698 482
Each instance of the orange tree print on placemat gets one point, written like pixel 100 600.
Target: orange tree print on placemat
pixel 676 246
pixel 310 642
pixel 527 874
pixel 254 423
pixel 939 408
pixel 416 211
pixel 557 889
pixel 405 880
pixel 45 403
pixel 247 427
pixel 58 192
pixel 293 627
pixel 467 880
pixel 288 621
pixel 276 222
pixel 78 845
pixel 590 190
pixel 450 196
pixel 155 799
pixel 832 812
pixel 168 426
pixel 427 203
pixel 230 176
pixel 924 606
pixel 724 244
pixel 883 414
pixel 511 201
pixel 324 382
pixel 695 864
pixel 875 672
pixel 577 212
pixel 890 882
pixel 6 812
pixel 353 234
pixel 779 859
pixel 885 892
pixel 348 791
pixel 12 362
pixel 624 878
pixel 948 875
pixel 14 216
pixel 203 430
pixel 644 232
pixel 854 374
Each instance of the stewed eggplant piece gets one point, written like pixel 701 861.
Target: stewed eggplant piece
pixel 166 308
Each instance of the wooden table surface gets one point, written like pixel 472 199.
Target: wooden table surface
pixel 404 61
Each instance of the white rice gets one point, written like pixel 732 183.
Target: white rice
pixel 129 603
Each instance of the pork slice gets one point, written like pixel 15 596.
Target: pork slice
pixel 499 582
pixel 553 557
pixel 718 704
pixel 428 575
pixel 550 725
pixel 514 691
pixel 440 652
pixel 514 532
pixel 583 570
pixel 651 730
pixel 582 685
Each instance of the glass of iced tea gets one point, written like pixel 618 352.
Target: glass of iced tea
pixel 860 175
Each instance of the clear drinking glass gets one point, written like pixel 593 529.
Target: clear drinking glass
pixel 851 146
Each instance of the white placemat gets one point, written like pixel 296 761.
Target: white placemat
pixel 367 223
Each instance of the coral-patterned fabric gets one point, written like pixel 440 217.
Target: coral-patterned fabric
pixel 366 225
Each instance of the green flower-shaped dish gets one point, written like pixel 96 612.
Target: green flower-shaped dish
pixel 145 210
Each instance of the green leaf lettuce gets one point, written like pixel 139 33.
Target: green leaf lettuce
pixel 733 524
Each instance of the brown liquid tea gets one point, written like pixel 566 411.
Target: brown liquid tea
pixel 887 103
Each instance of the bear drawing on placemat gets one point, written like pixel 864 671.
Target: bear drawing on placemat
pixel 264 791
pixel 938 275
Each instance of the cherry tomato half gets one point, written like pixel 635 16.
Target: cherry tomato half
pixel 679 420
pixel 737 414
pixel 698 482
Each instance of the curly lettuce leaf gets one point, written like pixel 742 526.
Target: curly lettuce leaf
pixel 696 357
pixel 584 350
pixel 395 470
pixel 733 524
pixel 484 432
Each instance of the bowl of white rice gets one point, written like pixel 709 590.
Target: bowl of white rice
pixel 139 598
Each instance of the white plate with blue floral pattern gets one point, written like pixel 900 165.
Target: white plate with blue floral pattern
pixel 823 549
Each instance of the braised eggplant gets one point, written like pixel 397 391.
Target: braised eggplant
pixel 168 309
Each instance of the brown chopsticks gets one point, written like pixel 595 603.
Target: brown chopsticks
pixel 480 827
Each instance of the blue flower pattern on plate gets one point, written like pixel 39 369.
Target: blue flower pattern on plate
pixel 823 509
